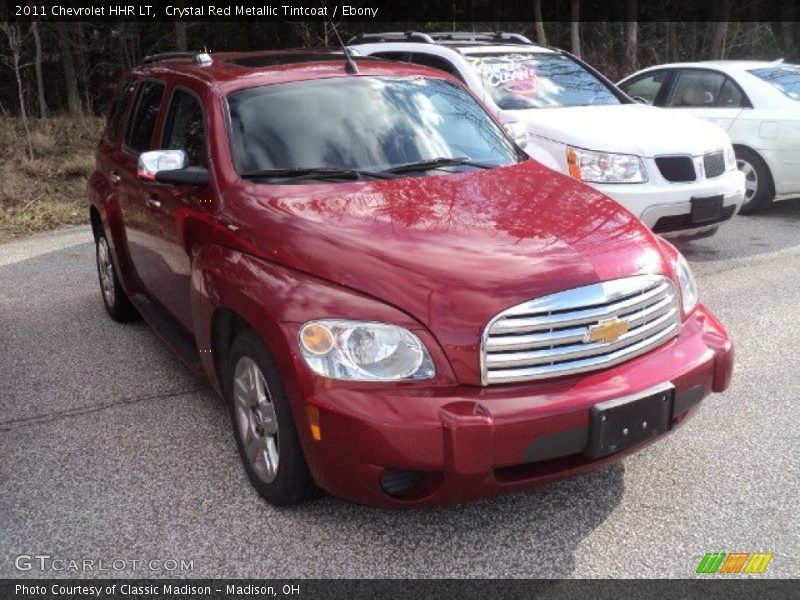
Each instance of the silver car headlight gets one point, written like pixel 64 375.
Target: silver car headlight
pixel 364 351
pixel 730 158
pixel 688 284
pixel 605 167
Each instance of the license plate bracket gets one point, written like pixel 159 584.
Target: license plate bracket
pixel 622 422
pixel 705 209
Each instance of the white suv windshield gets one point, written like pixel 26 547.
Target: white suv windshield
pixel 786 78
pixel 538 80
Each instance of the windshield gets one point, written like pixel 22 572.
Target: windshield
pixel 786 78
pixel 538 80
pixel 365 123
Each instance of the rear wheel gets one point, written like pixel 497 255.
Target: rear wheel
pixel 117 304
pixel 263 425
pixel 759 187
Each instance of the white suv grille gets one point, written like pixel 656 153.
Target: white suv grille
pixel 561 334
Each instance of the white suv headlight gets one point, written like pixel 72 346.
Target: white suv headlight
pixel 604 167
pixel 364 351
pixel 688 284
pixel 730 158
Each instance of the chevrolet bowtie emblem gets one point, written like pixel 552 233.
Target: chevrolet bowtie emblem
pixel 607 331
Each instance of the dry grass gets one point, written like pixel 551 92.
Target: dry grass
pixel 49 191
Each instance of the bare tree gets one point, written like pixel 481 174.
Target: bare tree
pixel 180 36
pixel 541 38
pixel 575 27
pixel 631 62
pixel 68 64
pixel 38 65
pixel 16 39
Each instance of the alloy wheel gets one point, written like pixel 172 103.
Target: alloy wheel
pixel 750 178
pixel 106 270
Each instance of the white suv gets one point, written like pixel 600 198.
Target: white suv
pixel 676 172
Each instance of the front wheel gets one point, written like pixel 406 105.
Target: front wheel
pixel 117 304
pixel 263 425
pixel 759 187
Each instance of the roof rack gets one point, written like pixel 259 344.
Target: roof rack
pixel 200 58
pixel 441 36
pixel 391 36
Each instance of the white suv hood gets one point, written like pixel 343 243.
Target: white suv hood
pixel 637 129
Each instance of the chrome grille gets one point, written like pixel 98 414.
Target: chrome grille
pixel 549 336
pixel 714 164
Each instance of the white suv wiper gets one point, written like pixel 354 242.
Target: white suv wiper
pixel 437 163
pixel 296 173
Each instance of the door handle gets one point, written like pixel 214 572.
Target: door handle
pixel 152 202
pixel 114 177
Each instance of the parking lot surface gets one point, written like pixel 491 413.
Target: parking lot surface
pixel 110 449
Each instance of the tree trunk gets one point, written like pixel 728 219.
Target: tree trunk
pixel 575 27
pixel 720 30
pixel 38 64
pixel 672 42
pixel 541 38
pixel 68 64
pixel 631 63
pixel 181 43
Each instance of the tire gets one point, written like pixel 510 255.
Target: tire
pixel 116 301
pixel 263 426
pixel 760 189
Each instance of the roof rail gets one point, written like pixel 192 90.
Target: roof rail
pixel 440 36
pixel 481 36
pixel 200 58
pixel 391 36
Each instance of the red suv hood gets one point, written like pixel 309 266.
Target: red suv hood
pixel 453 250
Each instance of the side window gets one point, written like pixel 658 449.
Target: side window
pixel 184 129
pixel 437 62
pixel 118 109
pixel 646 87
pixel 143 118
pixel 731 96
pixel 696 89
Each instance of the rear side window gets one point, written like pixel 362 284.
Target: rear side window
pixel 696 89
pixel 118 109
pixel 184 129
pixel 143 119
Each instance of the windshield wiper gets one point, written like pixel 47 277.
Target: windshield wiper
pixel 315 173
pixel 437 163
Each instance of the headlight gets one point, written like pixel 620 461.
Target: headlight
pixel 688 284
pixel 364 351
pixel 730 158
pixel 602 167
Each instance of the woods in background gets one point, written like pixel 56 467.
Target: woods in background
pixel 52 67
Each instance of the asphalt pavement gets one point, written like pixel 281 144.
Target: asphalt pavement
pixel 111 450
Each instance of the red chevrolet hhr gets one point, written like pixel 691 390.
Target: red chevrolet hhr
pixel 397 304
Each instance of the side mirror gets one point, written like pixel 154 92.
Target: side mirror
pixel 518 132
pixel 169 167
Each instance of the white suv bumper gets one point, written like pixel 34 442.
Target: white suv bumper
pixel 666 207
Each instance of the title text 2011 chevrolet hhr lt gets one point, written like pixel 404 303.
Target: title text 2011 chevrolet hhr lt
pixel 398 305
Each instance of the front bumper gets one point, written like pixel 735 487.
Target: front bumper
pixel 666 207
pixel 467 442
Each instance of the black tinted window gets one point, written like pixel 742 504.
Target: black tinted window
pixel 184 128
pixel 363 123
pixel 143 119
pixel 118 108
pixel 437 62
